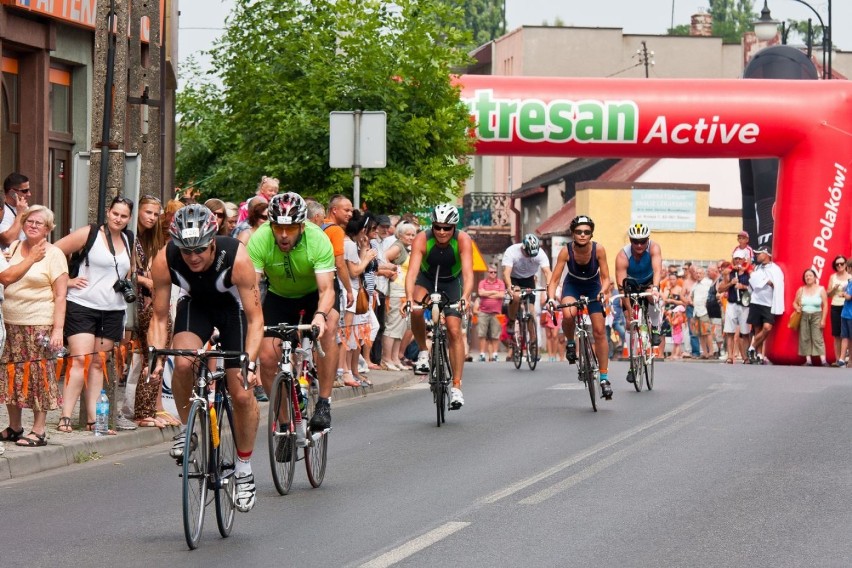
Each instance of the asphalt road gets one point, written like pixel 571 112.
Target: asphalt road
pixel 719 466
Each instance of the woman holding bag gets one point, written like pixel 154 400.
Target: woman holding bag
pixel 812 304
pixel 97 302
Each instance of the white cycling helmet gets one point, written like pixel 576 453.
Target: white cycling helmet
pixel 639 231
pixel 446 214
pixel 531 244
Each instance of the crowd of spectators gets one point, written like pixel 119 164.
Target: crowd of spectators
pixel 718 310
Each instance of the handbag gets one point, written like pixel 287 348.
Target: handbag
pixel 795 320
pixel 362 301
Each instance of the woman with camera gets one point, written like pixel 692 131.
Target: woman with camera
pixel 34 315
pixel 97 301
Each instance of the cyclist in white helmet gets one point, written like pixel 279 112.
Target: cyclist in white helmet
pixel 443 253
pixel 642 260
pixel 521 262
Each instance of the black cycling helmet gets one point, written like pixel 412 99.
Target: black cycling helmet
pixel 193 226
pixel 288 209
pixel 582 220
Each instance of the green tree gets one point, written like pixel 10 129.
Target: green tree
pixel 484 19
pixel 284 65
pixel 731 19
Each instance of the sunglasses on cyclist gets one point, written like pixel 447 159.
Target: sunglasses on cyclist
pixel 194 250
pixel 443 228
pixel 580 232
pixel 639 241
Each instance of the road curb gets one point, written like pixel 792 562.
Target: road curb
pixel 65 449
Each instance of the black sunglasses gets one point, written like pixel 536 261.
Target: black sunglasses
pixel 639 241
pixel 22 189
pixel 220 214
pixel 193 250
pixel 443 228
pixel 582 231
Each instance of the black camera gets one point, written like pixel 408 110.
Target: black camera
pixel 125 288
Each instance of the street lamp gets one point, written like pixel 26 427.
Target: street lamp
pixel 765 29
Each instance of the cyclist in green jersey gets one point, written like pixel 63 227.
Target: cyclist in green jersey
pixel 445 254
pixel 298 261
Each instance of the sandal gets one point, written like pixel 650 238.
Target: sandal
pixel 150 422
pixel 167 418
pixel 27 442
pixel 350 382
pixel 729 361
pixel 9 435
pixel 64 425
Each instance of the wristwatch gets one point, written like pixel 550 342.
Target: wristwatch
pixel 251 367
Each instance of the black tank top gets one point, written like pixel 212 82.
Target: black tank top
pixel 583 272
pixel 212 286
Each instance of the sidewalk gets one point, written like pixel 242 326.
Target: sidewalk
pixel 80 446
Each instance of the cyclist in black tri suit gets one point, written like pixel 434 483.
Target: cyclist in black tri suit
pixel 447 253
pixel 218 289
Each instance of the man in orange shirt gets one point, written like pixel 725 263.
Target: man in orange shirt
pixel 339 213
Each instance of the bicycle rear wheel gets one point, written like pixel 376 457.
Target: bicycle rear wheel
pixel 586 370
pixel 532 343
pixel 195 464
pixel 316 454
pixel 282 437
pixel 649 366
pixel 225 461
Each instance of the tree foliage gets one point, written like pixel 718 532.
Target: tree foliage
pixel 284 65
pixel 731 19
pixel 483 18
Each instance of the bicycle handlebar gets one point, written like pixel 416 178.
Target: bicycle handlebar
pixel 200 353
pixel 581 302
pixel 285 331
pixel 631 295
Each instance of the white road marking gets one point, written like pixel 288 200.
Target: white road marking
pixel 568 386
pixel 604 463
pixel 415 545
pixel 570 462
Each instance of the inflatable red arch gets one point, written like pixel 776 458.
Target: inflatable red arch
pixel 806 124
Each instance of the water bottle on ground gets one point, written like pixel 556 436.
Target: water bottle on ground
pixel 102 415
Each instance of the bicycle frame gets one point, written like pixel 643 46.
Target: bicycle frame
pixel 639 341
pixel 523 336
pixel 587 360
pixel 286 421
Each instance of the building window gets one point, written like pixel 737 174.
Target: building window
pixel 60 100
pixel 10 120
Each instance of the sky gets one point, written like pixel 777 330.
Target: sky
pixel 634 16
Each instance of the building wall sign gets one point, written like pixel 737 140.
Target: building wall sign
pixel 664 209
pixel 77 12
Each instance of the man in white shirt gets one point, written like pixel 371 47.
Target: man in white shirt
pixel 767 301
pixel 521 263
pixel 700 291
pixel 17 189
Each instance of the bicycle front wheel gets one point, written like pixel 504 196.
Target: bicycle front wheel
pixel 636 357
pixel 195 464
pixel 586 369
pixel 282 437
pixel 225 461
pixel 532 343
pixel 439 377
pixel 517 346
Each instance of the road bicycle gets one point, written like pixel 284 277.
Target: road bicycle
pixel 526 336
pixel 587 361
pixel 640 348
pixel 292 399
pixel 209 455
pixel 440 369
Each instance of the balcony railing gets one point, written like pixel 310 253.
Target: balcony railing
pixel 487 210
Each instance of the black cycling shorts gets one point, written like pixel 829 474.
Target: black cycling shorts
pixel 452 289
pixel 200 319
pixel 292 311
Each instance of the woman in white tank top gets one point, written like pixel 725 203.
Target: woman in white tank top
pixel 96 310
